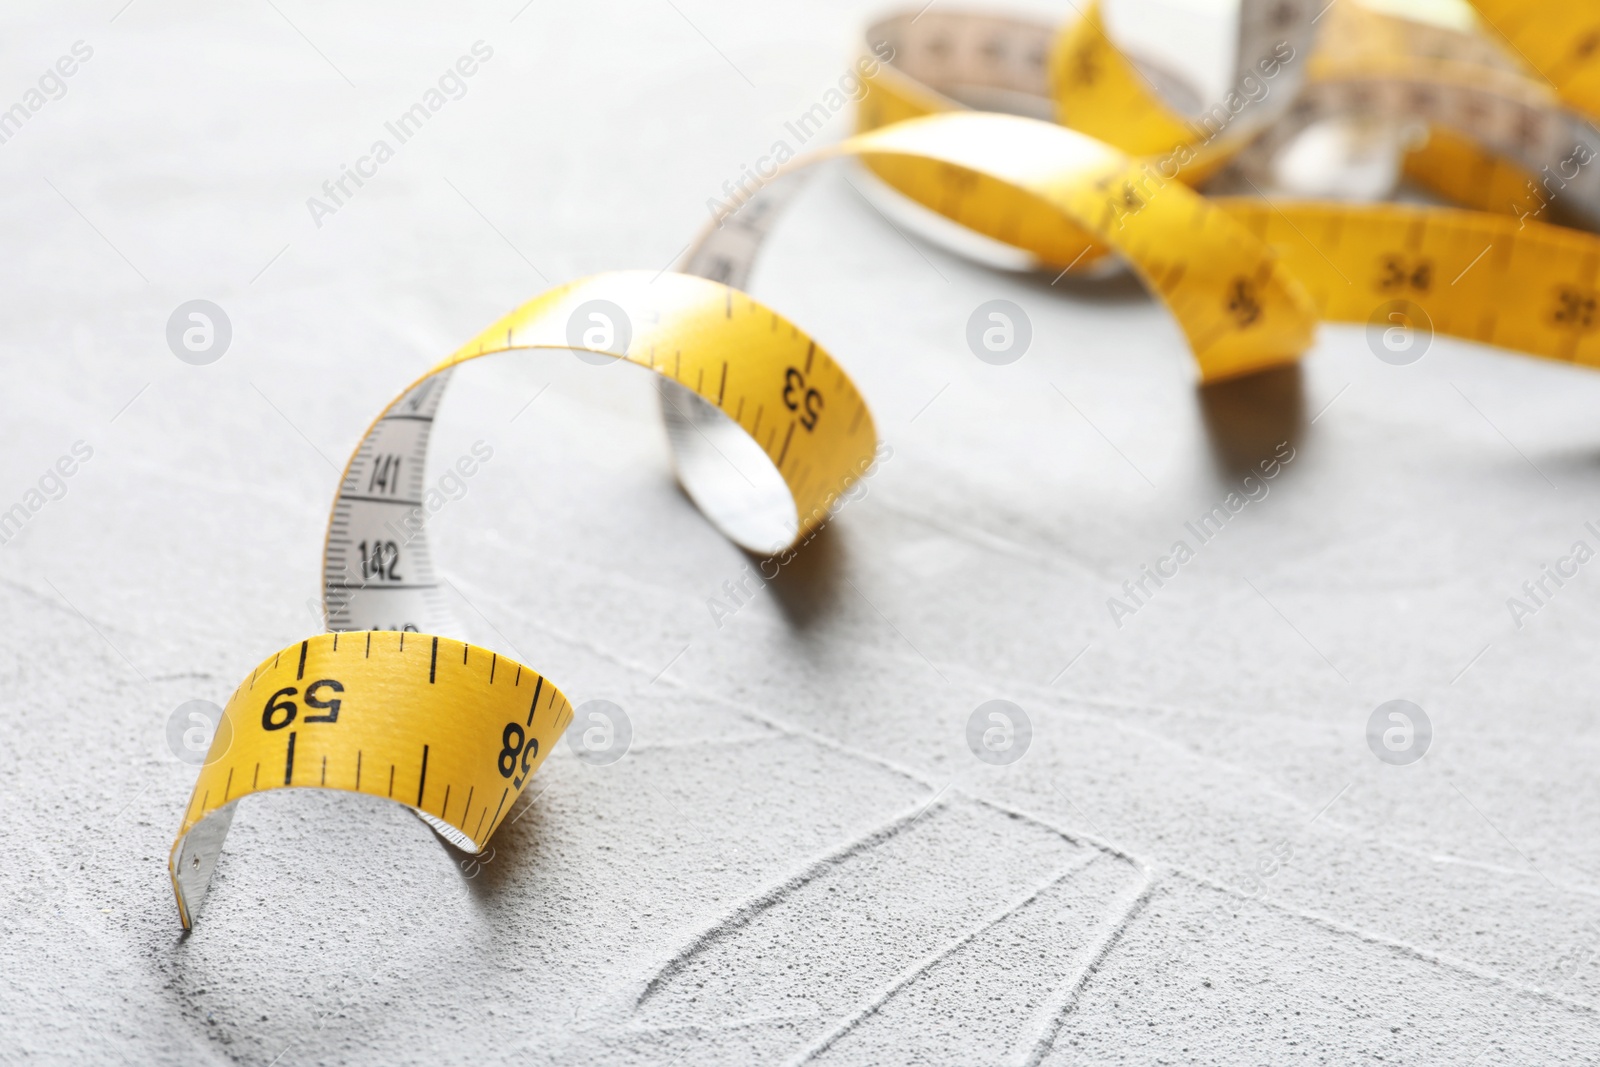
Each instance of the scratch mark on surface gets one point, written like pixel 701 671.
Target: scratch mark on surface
pixel 882 995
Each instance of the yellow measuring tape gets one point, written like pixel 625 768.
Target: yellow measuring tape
pixel 1560 41
pixel 450 730
pixel 769 433
pixel 1390 265
pixel 455 731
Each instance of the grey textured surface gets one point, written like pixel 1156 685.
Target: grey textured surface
pixel 799 856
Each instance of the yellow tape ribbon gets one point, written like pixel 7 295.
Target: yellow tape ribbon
pixel 384 706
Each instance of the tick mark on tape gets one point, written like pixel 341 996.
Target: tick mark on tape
pixel 497 807
pixel 535 706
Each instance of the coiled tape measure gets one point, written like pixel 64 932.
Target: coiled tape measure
pixel 388 705
pixel 1443 269
pixel 454 731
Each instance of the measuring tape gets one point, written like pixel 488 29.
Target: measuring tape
pixel 1561 41
pixel 450 730
pixel 768 432
pixel 387 707
pixel 1389 265
pixel 1059 196
pixel 736 381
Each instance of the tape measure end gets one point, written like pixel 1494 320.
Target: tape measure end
pixel 194 858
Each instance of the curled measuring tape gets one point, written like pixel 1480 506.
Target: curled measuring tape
pixel 1418 267
pixel 455 731
pixel 1057 195
pixel 1298 65
pixel 388 704
pixel 405 712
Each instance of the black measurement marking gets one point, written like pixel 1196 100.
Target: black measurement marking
pixel 254 777
pixel 481 817
pixel 391 780
pixel 379 500
pixel 324 770
pixel 336 642
pixel 467 810
pixel 203 800
pixel 495 821
pixel 535 706
pixel 275 661
pixel 811 350
pixel 494 657
pixel 728 297
pixel 229 787
pixel 402 640
pixel 723 387
pixel 464 650
pixel 434 662
pixel 253 678
pixel 757 425
pixel 422 779
pixel 369 645
pixel 446 806
pixel 300 671
pixel 786 439
pixel 288 763
pixel 518 680
pixel 358 770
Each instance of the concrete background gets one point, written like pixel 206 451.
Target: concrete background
pixel 1197 860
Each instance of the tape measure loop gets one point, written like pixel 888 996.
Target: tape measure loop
pixel 769 433
pixel 451 731
pixel 1068 199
